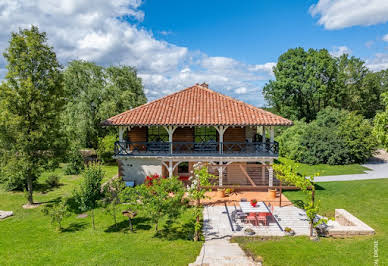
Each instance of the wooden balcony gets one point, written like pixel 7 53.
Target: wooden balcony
pixel 210 148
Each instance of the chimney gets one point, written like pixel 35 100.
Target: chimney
pixel 204 85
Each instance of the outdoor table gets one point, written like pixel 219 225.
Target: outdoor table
pixel 246 207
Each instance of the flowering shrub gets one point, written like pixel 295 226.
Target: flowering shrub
pixel 151 180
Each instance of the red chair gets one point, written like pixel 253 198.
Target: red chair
pixel 251 218
pixel 262 217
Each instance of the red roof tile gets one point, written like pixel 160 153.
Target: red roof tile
pixel 194 106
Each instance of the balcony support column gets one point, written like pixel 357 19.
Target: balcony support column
pixel 170 130
pixel 121 133
pixel 221 130
pixel 263 138
pixel 270 176
pixel 272 136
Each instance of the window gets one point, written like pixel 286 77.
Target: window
pixel 204 134
pixel 183 168
pixel 157 134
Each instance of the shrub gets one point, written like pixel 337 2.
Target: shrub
pixel 76 162
pixel 335 137
pixel 53 181
pixel 58 211
pixel 105 149
pixel 89 192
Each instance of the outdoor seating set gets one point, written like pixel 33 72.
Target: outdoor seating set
pixel 253 213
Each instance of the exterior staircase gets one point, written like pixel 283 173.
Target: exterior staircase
pixel 220 252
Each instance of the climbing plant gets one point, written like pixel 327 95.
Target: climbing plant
pixel 286 173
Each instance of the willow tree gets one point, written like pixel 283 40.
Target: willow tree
pixel 31 99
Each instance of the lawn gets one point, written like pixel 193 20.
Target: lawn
pixel 326 169
pixel 366 200
pixel 29 238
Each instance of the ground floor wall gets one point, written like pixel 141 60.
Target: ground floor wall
pixel 232 173
pixel 134 169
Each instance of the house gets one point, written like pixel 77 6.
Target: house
pixel 169 135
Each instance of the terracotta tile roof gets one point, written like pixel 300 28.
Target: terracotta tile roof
pixel 194 106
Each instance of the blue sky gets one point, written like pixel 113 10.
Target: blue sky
pixel 231 45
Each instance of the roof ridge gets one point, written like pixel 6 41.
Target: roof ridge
pixel 244 103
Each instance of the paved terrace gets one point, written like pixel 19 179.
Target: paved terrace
pixel 217 224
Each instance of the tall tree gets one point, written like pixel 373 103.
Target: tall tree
pixel 96 93
pixel 32 98
pixel 358 89
pixel 305 83
pixel 309 81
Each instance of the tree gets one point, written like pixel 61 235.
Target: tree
pixel 380 128
pixel 309 81
pixel 31 99
pixel 196 192
pixel 111 197
pixel 57 211
pixel 89 192
pixel 305 83
pixel 162 197
pixel 95 93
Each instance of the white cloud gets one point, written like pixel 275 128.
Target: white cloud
pixel 241 90
pixel 97 31
pixel 340 50
pixel 267 67
pixel 379 62
pixel 338 14
pixel 385 38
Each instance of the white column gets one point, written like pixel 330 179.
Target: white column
pixel 170 168
pixel 220 173
pixel 221 130
pixel 121 132
pixel 270 178
pixel 170 131
pixel 263 138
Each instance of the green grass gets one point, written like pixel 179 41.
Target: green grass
pixel 326 169
pixel 29 238
pixel 367 200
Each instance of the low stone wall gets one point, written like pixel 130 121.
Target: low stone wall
pixel 346 225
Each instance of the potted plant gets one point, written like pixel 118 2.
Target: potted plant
pixel 253 203
pixel 289 231
pixel 249 232
pixel 221 193
pixel 272 193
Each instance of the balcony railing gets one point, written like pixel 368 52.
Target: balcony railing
pixel 210 148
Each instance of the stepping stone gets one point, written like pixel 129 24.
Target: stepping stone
pixel 5 214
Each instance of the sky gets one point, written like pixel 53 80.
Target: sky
pixel 231 45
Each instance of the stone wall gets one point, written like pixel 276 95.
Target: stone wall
pixel 346 225
pixel 135 169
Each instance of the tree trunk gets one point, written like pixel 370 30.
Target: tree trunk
pixel 130 224
pixel 29 190
pixel 92 212
pixel 156 227
pixel 311 228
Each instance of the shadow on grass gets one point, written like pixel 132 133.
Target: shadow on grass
pixel 74 227
pixel 318 187
pixel 45 188
pixel 171 231
pixel 138 223
pixel 50 203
